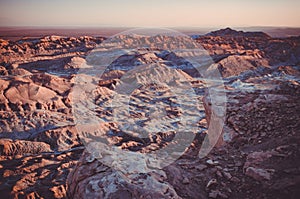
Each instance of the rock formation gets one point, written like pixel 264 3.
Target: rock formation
pixel 42 154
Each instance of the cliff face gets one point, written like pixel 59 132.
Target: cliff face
pixel 257 155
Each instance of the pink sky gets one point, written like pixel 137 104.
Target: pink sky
pixel 159 13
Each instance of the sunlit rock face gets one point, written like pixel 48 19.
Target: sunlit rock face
pixel 255 155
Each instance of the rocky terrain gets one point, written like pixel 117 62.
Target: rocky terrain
pixel 44 153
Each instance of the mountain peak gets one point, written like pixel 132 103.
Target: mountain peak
pixel 228 32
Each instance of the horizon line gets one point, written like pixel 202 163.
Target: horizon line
pixel 104 26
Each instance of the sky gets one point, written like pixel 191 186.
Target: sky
pixel 150 13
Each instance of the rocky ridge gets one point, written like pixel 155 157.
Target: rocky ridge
pixel 257 157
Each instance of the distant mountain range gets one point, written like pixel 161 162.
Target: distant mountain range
pixel 15 33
